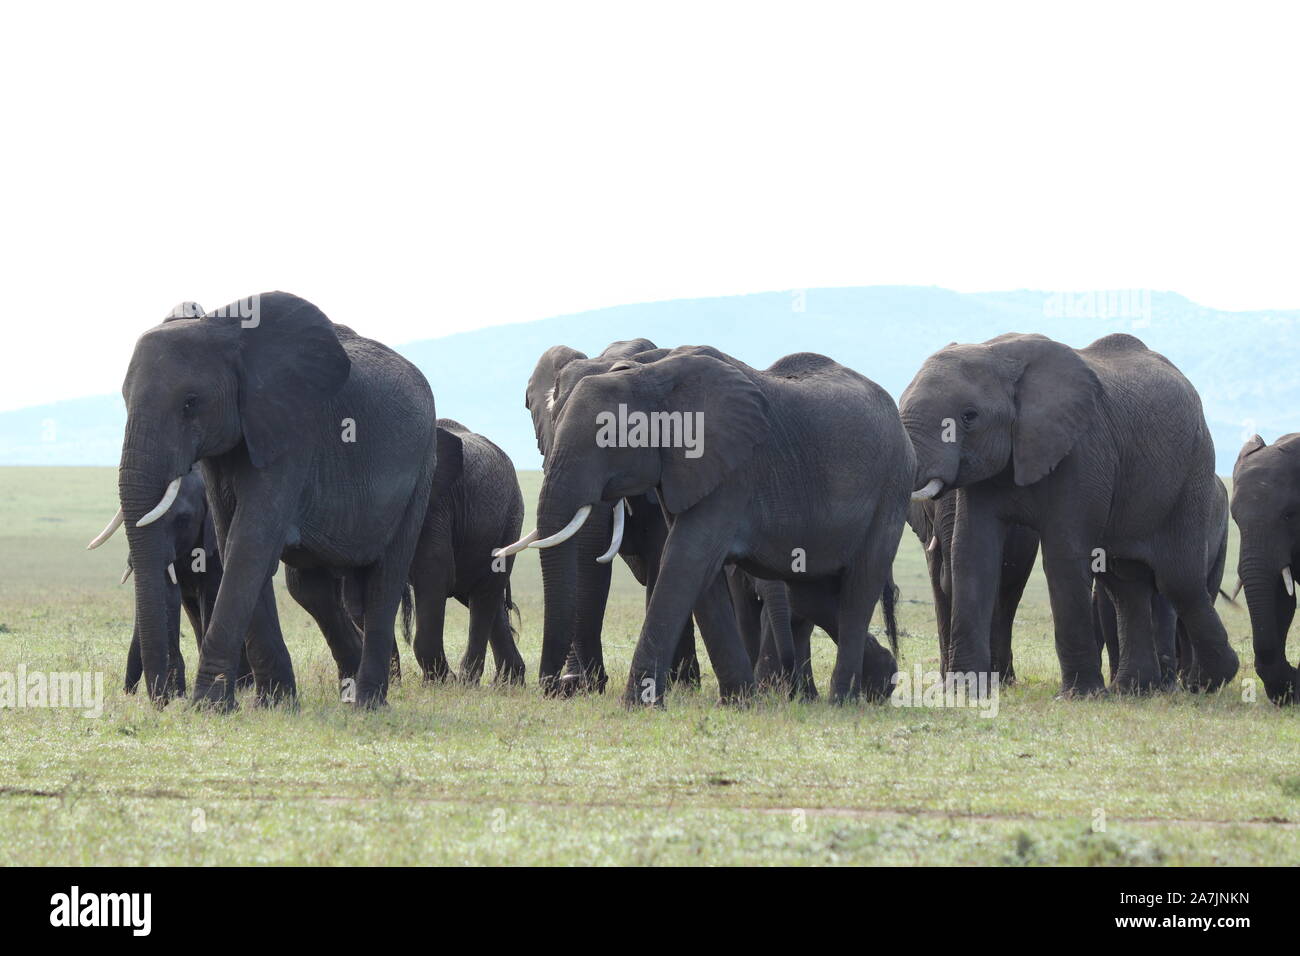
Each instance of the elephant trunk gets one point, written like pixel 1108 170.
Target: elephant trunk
pixel 150 556
pixel 1271 608
pixel 575 590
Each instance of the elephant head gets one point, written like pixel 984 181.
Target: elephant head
pixel 1016 401
pixel 1266 507
pixel 614 439
pixel 242 381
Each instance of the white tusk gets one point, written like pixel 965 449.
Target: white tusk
pixel 161 507
pixel 171 572
pixel 107 533
pixel 126 574
pixel 934 543
pixel 1286 579
pixel 518 546
pixel 617 539
pixel 932 488
pixel 567 532
pixel 1236 590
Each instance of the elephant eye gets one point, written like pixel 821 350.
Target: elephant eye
pixel 191 402
pixel 968 417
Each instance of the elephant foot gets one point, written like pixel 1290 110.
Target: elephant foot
pixel 1210 674
pixel 1135 684
pixel 217 696
pixel 737 695
pixel 371 698
pixel 1079 684
pixel 1281 688
pixel 436 671
pixel 643 690
pixel 275 695
pixel 511 675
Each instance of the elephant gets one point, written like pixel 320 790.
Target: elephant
pixel 1266 508
pixel 194 574
pixel 1103 451
pixel 317 447
pixel 575 583
pixel 799 473
pixel 476 506
pixel 764 609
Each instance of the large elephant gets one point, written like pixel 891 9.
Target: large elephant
pixel 798 473
pixel 194 575
pixel 1266 507
pixel 576 585
pixel 317 448
pixel 1104 451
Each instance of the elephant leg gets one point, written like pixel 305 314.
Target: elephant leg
pixel 1139 667
pixel 1167 630
pixel 685 667
pixel 318 592
pixel 1105 626
pixel 134 666
pixel 805 684
pixel 430 621
pixel 749 610
pixel 268 658
pixel 1019 552
pixel 480 632
pixel 776 661
pixel 1216 661
pixel 942 605
pixel 510 668
pixel 722 640
pixel 862 666
pixel 1069 586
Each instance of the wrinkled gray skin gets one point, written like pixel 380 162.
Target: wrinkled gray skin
pixel 476 508
pixel 1266 507
pixel 190 530
pixel 806 454
pixel 262 407
pixel 766 612
pixel 576 588
pixel 1103 447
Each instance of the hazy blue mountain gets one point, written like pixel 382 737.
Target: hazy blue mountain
pixel 1243 363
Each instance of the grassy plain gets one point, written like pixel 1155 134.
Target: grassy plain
pixel 453 774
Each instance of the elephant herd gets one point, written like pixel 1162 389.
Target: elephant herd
pixel 750 504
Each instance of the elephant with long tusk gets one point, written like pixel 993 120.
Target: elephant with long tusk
pixel 576 559
pixel 317 447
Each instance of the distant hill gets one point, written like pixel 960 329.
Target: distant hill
pixel 1243 363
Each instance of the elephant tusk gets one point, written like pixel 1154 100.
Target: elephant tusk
pixel 518 546
pixel 1286 579
pixel 567 532
pixel 617 540
pixel 161 507
pixel 1236 590
pixel 932 488
pixel 171 573
pixel 934 543
pixel 107 533
pixel 126 574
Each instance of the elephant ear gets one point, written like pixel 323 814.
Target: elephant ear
pixel 540 394
pixel 1253 444
pixel 451 462
pixel 731 422
pixel 290 363
pixel 1056 395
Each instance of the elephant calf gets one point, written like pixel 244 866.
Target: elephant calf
pixel 475 508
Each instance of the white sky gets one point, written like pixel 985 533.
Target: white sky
pixel 417 171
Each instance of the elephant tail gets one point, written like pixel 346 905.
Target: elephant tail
pixel 408 611
pixel 888 601
pixel 513 617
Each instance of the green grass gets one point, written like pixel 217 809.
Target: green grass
pixel 483 775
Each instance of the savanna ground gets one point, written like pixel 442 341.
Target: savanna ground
pixel 452 774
